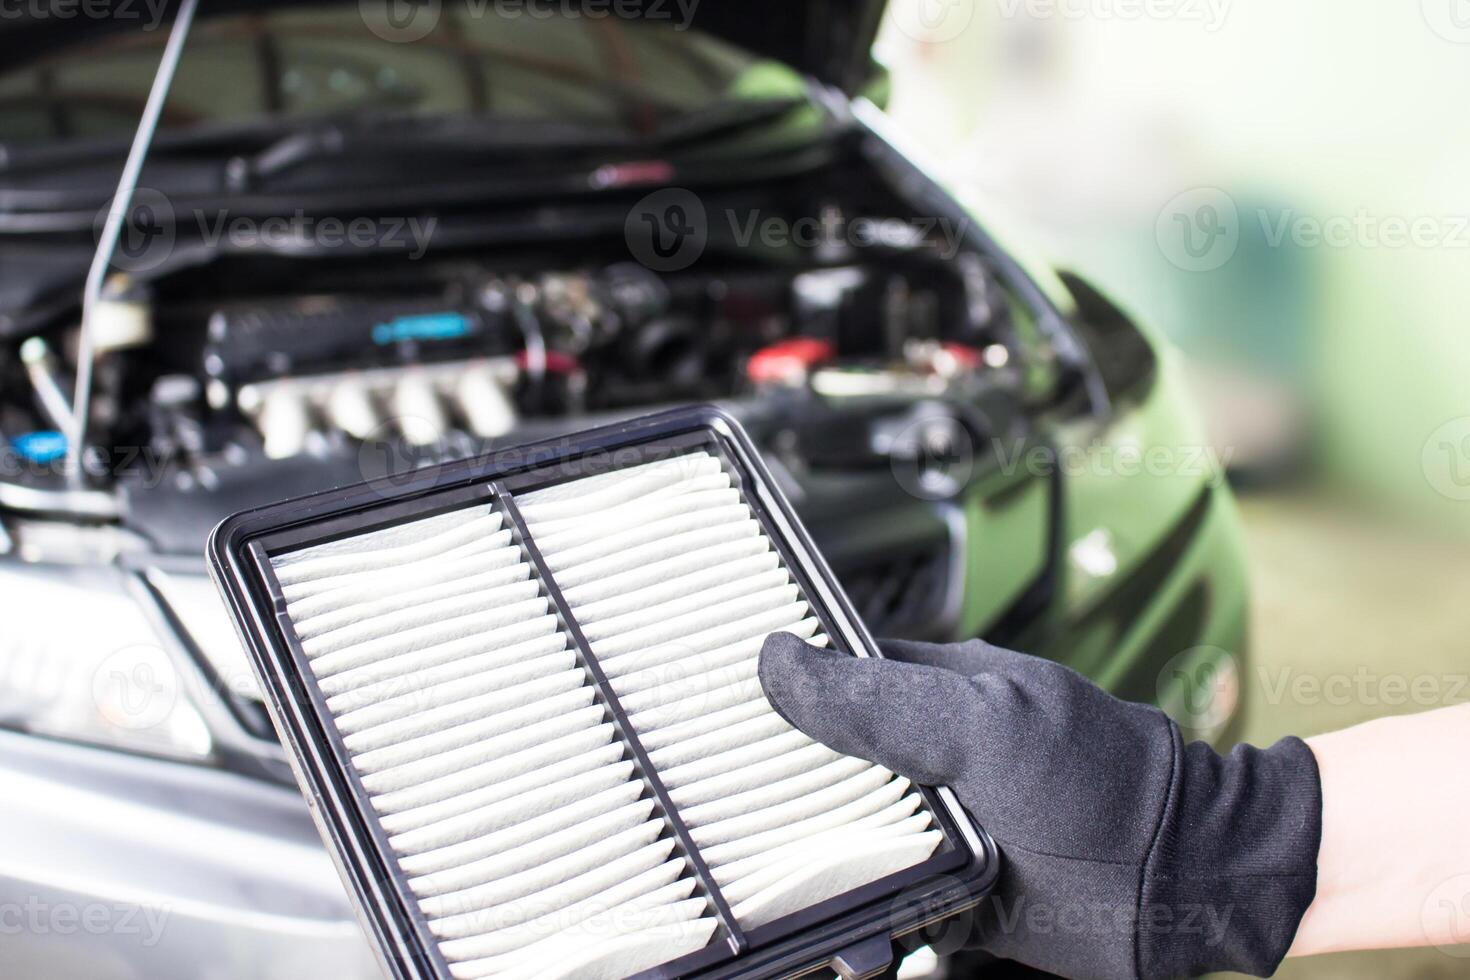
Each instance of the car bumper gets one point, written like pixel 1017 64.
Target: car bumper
pixel 116 866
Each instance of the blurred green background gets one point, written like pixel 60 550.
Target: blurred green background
pixel 1284 190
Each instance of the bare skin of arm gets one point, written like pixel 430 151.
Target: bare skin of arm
pixel 1394 865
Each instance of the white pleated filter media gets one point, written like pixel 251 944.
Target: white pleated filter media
pixel 510 801
pixel 675 586
pixel 529 842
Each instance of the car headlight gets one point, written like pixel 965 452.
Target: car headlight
pixel 80 660
pixel 201 613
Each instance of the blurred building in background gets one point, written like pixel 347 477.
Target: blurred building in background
pixel 1284 189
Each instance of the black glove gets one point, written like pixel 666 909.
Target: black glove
pixel 1126 853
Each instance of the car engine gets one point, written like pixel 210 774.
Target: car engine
pixel 444 357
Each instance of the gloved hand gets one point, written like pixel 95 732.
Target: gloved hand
pixel 1125 852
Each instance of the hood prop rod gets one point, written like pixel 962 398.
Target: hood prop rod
pixel 117 214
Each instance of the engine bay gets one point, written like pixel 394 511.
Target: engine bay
pixel 286 373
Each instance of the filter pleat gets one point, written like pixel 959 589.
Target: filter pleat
pixel 475 848
pixel 458 922
pixel 673 498
pixel 674 734
pixel 393 622
pixel 601 597
pixel 742 879
pixel 691 597
pixel 472 733
pixel 688 654
pixel 763 765
pixel 594 744
pixel 714 622
pixel 439 717
pixel 528 855
pixel 617 946
pixel 545 939
pixel 734 827
pixel 430 635
pixel 653 551
pixel 678 762
pixel 717 854
pixel 425 768
pixel 406 665
pixel 356 598
pixel 499 681
pixel 475 814
pixel 509 799
pixel 831 872
pixel 652 719
pixel 367 552
pixel 592 495
pixel 372 572
pixel 394 535
pixel 675 661
pixel 560 876
pixel 574 533
pixel 738 568
pixel 618 540
pixel 423 672
pixel 676 592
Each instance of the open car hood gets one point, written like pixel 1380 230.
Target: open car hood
pixel 829 40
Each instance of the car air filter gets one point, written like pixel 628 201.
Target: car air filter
pixel 520 695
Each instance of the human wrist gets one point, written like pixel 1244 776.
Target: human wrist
pixel 1387 856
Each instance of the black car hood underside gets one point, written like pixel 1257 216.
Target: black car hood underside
pixel 828 40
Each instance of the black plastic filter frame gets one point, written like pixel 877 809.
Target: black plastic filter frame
pixel 850 932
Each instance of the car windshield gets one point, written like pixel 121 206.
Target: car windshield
pixel 469 58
